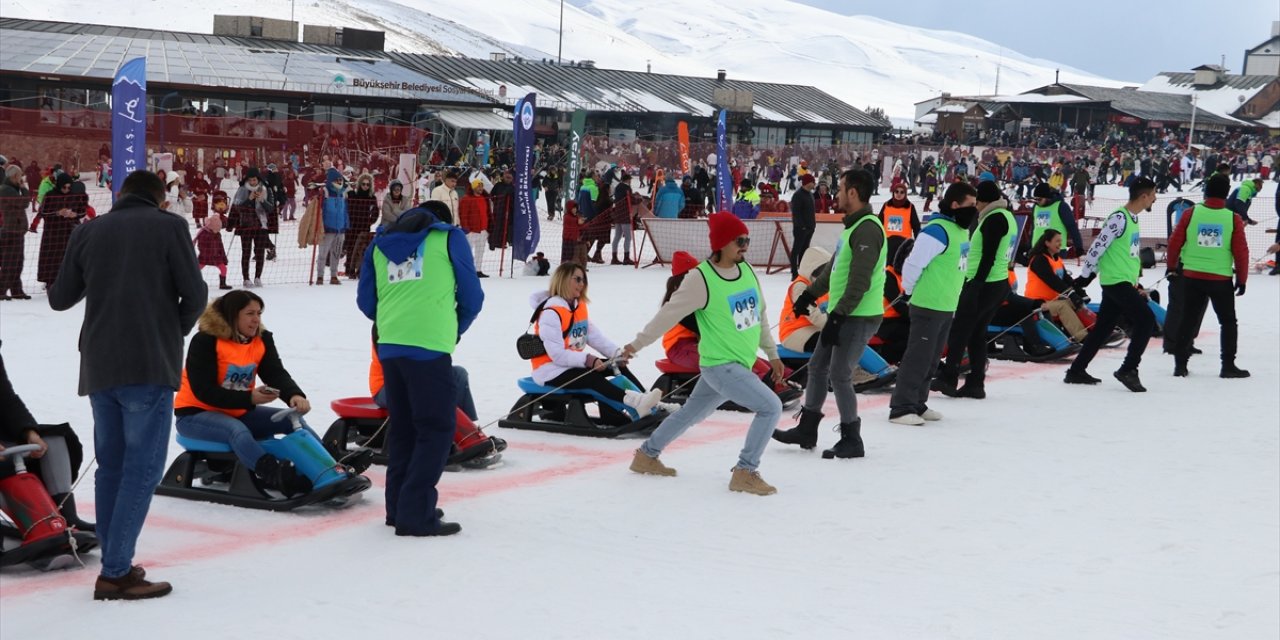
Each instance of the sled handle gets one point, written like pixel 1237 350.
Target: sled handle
pixel 289 414
pixel 19 453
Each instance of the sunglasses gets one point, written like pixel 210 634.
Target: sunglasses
pixel 899 191
pixel 580 279
pixel 364 184
pixel 743 241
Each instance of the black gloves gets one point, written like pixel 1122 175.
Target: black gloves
pixel 831 332
pixel 803 303
pixel 1240 289
pixel 1082 282
pixel 1078 300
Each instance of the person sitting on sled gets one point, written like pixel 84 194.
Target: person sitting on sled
pixel 219 400
pixel 681 341
pixel 566 332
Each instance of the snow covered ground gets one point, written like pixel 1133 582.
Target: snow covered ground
pixel 1044 511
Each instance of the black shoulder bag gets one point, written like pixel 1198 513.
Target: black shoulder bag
pixel 529 345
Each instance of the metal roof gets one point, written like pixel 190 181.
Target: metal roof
pixel 1147 105
pixel 568 87
pixel 1182 78
pixel 75 28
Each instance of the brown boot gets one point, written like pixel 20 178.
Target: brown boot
pixel 748 481
pixel 130 586
pixel 642 463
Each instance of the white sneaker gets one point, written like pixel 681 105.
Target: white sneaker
pixel 669 407
pixel 643 403
pixel 247 284
pixel 931 415
pixel 909 419
pixel 257 282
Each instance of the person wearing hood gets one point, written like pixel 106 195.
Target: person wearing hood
pixel 62 211
pixel 14 198
pixel 419 287
pixel 394 204
pixel 334 216
pixel 251 212
pixel 566 330
pixel 932 279
pixel 747 206
pixel 669 201
pixel 362 213
pixel 986 286
pixel 855 280
pixel 1052 212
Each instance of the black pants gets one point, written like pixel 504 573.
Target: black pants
pixel 1119 300
pixel 597 381
pixel 978 304
pixel 894 333
pixel 801 238
pixel 12 255
pixel 1176 317
pixel 253 242
pixel 1197 294
pixel 1019 309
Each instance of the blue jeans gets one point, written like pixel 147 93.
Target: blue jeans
pixel 131 437
pixel 421 399
pixel 719 383
pixel 241 433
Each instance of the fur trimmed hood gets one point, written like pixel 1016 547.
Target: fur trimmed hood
pixel 212 323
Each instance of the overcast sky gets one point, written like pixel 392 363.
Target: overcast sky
pixel 1117 39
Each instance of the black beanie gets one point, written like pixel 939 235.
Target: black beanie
pixel 252 172
pixel 988 192
pixel 1219 186
pixel 1042 191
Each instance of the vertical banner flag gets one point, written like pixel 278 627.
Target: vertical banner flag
pixel 578 129
pixel 724 181
pixel 525 229
pixel 682 137
pixel 128 121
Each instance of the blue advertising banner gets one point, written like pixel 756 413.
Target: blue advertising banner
pixel 724 180
pixel 128 121
pixel 524 228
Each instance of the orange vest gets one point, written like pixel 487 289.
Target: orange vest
pixel 676 334
pixel 1036 288
pixel 889 310
pixel 237 370
pixel 790 322
pixel 897 220
pixel 376 380
pixel 575 323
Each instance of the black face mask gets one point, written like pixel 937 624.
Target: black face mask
pixel 964 216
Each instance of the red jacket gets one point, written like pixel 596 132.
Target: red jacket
pixel 1239 246
pixel 473 213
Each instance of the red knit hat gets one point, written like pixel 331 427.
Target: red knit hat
pixel 725 228
pixel 682 262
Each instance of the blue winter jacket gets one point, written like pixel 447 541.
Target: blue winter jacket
pixel 335 204
pixel 745 210
pixel 670 200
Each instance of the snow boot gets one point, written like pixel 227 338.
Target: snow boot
pixel 615 259
pixel 130 586
pixel 748 481
pixel 1230 370
pixel 945 382
pixel 1129 378
pixel 805 433
pixel 222 283
pixel 850 444
pixel 68 511
pixel 281 475
pixel 626 259
pixel 643 464
pixel 643 403
pixel 1180 367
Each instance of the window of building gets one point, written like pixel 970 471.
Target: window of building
pixel 769 136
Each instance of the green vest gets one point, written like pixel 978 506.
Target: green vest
pixel 1047 218
pixel 938 288
pixel 870 305
pixel 417 298
pixel 1208 245
pixel 1000 269
pixel 730 321
pixel 1120 263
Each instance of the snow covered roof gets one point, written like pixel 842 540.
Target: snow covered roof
pixel 569 87
pixel 1146 105
pixel 951 108
pixel 1223 98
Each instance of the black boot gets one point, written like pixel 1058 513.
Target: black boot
pixel 804 434
pixel 281 475
pixel 975 389
pixel 946 381
pixel 68 511
pixel 1129 378
pixel 222 283
pixel 615 259
pixel 850 444
pixel 1180 367
pixel 626 259
pixel 1230 370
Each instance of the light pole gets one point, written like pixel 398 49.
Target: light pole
pixel 560 48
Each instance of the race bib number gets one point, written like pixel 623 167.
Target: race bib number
pixel 1134 243
pixel 1042 219
pixel 746 309
pixel 239 377
pixel 1209 235
pixel 895 223
pixel 410 269
pixel 964 256
pixel 578 336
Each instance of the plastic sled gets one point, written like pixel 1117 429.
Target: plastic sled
pixel 210 472
pixel 578 412
pixel 361 423
pixel 675 386
pixel 870 362
pixel 43 539
pixel 1012 346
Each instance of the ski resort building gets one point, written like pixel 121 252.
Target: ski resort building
pixel 245 96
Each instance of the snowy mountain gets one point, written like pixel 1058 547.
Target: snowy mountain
pixel 862 60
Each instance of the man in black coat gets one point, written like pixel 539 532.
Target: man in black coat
pixel 136 270
pixel 802 221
